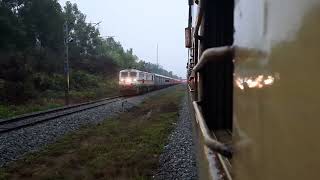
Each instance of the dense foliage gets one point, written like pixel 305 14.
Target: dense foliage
pixel 32 51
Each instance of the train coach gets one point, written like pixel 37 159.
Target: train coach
pixel 253 69
pixel 132 81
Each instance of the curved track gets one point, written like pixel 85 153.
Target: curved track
pixel 22 121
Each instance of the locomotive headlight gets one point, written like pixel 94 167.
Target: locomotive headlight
pixel 128 81
pixel 134 80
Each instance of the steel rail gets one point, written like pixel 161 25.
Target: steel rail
pixel 18 118
pixel 11 121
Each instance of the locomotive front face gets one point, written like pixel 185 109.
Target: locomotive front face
pixel 128 78
pixel 276 99
pixel 128 81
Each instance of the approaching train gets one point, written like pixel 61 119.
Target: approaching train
pixel 132 81
pixel 253 73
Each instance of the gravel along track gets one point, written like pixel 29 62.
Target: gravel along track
pixel 15 144
pixel 178 160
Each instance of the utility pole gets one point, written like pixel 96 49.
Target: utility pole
pixel 158 55
pixel 66 62
pixel 67 40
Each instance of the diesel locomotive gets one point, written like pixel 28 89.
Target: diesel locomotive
pixel 253 72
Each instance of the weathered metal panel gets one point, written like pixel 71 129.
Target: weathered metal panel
pixel 276 98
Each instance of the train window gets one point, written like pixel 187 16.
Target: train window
pixel 133 74
pixel 124 74
pixel 167 80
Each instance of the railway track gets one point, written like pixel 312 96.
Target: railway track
pixel 32 119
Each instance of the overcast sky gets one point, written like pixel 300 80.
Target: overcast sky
pixel 141 24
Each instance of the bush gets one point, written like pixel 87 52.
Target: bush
pixel 18 92
pixel 2 90
pixel 43 82
pixel 80 80
pixel 17 85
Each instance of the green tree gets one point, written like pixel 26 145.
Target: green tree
pixel 32 50
pixel 43 20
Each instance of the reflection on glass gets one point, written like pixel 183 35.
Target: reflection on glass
pixel 259 81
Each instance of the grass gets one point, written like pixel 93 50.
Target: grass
pixel 7 111
pixel 54 99
pixel 126 147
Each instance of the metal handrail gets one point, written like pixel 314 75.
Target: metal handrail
pixel 237 52
pixel 213 144
pixel 212 54
pixel 190 89
pixel 224 166
pixel 198 22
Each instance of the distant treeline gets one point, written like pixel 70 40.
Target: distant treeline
pixel 32 50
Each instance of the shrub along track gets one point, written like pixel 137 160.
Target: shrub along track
pixel 124 147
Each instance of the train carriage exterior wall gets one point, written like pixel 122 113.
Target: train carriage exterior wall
pixel 276 99
pixel 263 89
